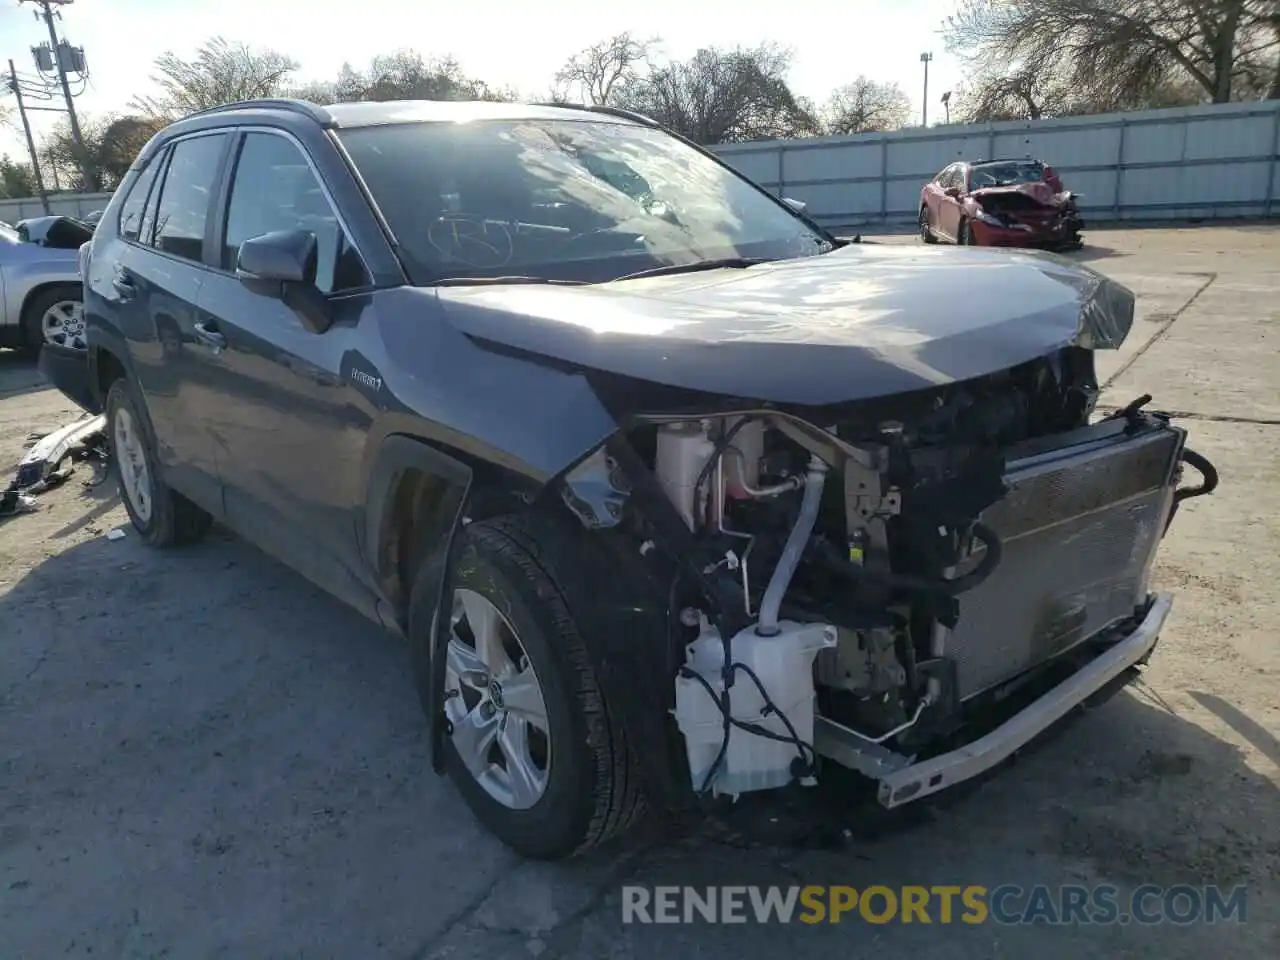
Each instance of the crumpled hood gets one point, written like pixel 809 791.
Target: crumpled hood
pixel 1040 192
pixel 862 321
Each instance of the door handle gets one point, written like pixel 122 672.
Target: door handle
pixel 124 287
pixel 207 333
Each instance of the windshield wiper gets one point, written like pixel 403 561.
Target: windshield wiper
pixel 486 281
pixel 725 263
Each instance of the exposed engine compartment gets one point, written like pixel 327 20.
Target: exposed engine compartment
pixel 1019 209
pixel 858 540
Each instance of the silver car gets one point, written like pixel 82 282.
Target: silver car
pixel 40 289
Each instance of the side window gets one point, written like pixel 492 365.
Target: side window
pixel 950 177
pixel 146 234
pixel 136 201
pixel 942 176
pixel 275 189
pixel 183 209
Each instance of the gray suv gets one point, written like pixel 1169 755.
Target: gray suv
pixel 674 495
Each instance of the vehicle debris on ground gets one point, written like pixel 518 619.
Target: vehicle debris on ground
pixel 51 459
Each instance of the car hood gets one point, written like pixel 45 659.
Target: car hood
pixel 866 320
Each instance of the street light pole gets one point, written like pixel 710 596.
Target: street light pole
pixel 924 108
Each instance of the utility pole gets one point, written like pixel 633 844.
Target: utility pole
pixel 946 102
pixel 31 144
pixel 924 107
pixel 47 6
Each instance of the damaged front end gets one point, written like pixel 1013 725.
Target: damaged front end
pixel 865 583
pixel 1028 214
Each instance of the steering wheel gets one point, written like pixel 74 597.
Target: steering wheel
pixel 473 240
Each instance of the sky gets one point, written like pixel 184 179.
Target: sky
pixel 504 42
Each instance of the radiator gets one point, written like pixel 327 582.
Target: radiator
pixel 1079 528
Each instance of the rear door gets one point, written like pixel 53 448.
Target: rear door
pixel 157 268
pixel 290 425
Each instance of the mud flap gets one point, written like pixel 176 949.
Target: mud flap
pixel 68 370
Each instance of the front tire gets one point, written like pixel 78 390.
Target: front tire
pixel 55 316
pixel 162 516
pixel 530 740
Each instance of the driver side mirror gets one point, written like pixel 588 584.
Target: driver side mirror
pixel 282 265
pixel 799 206
pixel 952 192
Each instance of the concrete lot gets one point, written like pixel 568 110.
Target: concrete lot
pixel 203 756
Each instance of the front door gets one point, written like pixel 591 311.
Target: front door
pixel 290 422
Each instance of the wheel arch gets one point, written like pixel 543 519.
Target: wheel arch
pixel 417 495
pixel 108 359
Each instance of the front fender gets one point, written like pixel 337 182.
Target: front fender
pixel 447 479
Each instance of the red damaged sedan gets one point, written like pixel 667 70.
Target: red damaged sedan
pixel 1000 203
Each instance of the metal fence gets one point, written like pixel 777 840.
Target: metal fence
pixel 60 204
pixel 1212 161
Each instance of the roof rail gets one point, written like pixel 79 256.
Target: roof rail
pixel 606 110
pixel 304 107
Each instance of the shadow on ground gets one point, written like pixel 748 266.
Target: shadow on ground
pixel 18 374
pixel 206 755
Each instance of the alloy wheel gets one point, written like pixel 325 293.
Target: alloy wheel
pixel 63 324
pixel 130 455
pixel 494 704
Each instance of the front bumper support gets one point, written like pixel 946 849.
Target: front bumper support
pixel 902 782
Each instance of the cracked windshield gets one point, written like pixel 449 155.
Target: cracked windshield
pixel 590 199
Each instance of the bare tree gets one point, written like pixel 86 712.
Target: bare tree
pixel 599 73
pixel 1019 94
pixel 111 143
pixel 17 179
pixel 119 144
pixel 1115 51
pixel 68 165
pixel 222 72
pixel 404 75
pixel 866 106
pixel 723 96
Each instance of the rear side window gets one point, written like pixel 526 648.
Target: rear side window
pixel 147 233
pixel 183 209
pixel 136 201
pixel 275 189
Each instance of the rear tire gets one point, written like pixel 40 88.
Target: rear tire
pixel 926 231
pixel 531 570
pixel 162 516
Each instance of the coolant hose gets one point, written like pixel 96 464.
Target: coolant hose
pixel 796 542
pixel 910 583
